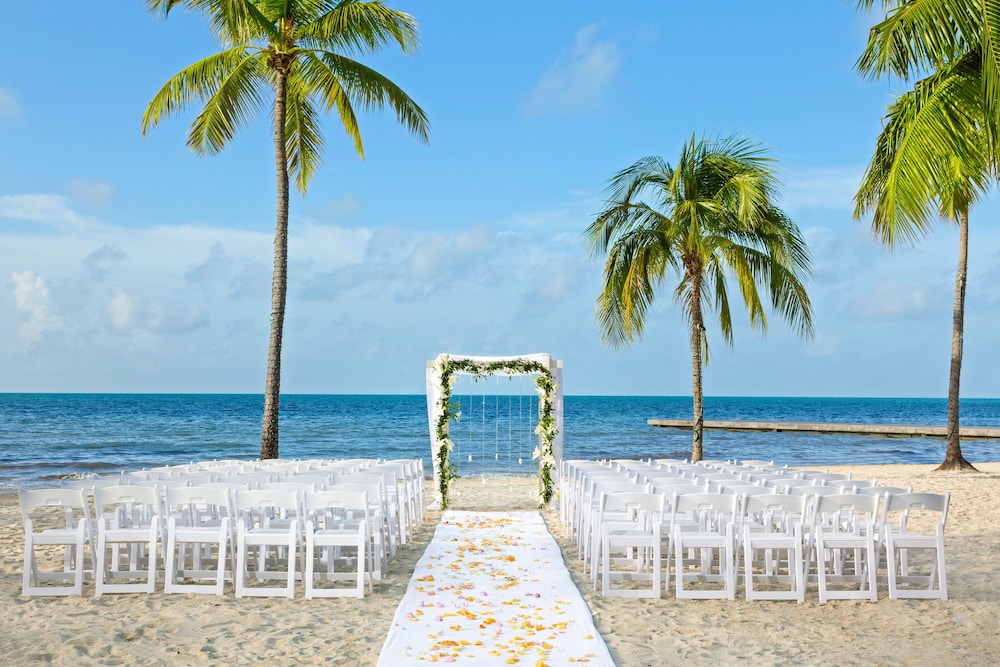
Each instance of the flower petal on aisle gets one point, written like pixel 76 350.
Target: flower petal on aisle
pixel 492 589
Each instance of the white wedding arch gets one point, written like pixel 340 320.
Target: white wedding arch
pixel 547 373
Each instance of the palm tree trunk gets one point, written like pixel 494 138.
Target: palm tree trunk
pixel 697 336
pixel 279 282
pixel 953 459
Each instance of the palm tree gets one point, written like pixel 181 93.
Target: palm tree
pixel 709 219
pixel 937 152
pixel 299 51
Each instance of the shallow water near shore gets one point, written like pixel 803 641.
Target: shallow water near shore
pixel 46 436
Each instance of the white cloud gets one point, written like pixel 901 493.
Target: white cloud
pixel 48 209
pixel 823 345
pixel 128 313
pixel 32 297
pixel 120 310
pixel 214 269
pixel 9 106
pixel 828 187
pixel 100 262
pixel 91 193
pixel 893 300
pixel 341 209
pixel 579 78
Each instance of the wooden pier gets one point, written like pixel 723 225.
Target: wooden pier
pixel 887 430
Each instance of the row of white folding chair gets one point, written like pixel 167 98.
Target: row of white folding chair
pixel 277 524
pixel 846 542
pixel 570 491
pixel 587 504
pixel 400 495
pixel 268 525
pixel 571 476
pixel 411 480
pixel 816 488
pixel 841 531
pixel 696 523
pixel 124 515
pixel 277 530
pixel 128 535
pixel 374 489
pixel 387 506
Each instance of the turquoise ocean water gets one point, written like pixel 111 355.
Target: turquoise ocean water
pixel 45 436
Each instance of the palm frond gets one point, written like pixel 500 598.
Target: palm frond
pixel 355 26
pixel 371 90
pixel 237 98
pixel 635 265
pixel 924 128
pixel 229 82
pixel 303 139
pixel 717 279
pixel 917 36
pixel 324 84
pixel 233 22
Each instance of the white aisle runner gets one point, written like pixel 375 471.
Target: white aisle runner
pixel 492 589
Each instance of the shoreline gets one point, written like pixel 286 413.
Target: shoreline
pixel 161 629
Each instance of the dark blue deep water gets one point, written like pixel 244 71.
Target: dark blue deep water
pixel 53 435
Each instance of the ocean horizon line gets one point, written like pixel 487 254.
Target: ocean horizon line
pixel 410 394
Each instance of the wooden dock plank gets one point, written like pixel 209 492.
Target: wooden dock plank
pixel 888 430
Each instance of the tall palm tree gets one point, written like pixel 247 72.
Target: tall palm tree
pixel 709 219
pixel 299 51
pixel 937 152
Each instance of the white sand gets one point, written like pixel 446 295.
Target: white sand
pixel 200 630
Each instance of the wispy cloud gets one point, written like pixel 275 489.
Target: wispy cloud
pixel 829 187
pixel 9 107
pixel 90 193
pixel 579 78
pixel 52 210
pixel 896 300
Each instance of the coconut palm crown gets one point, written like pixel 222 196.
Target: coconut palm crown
pixel 296 59
pixel 709 220
pixel 937 153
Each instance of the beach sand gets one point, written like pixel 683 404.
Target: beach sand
pixel 199 630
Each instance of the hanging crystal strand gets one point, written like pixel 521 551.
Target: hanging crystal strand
pixel 470 419
pixel 531 423
pixel 510 435
pixel 496 421
pixel 482 466
pixel 520 424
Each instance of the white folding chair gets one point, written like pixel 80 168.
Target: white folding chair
pixel 591 530
pixel 128 516
pixel 630 522
pixel 920 509
pixel 377 496
pixel 276 546
pixel 201 518
pixel 60 518
pixel 376 526
pixel 844 535
pixel 336 520
pixel 772 526
pixel 713 542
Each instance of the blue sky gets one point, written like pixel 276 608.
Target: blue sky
pixel 131 265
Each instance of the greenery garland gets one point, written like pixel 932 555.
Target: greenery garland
pixel 448 411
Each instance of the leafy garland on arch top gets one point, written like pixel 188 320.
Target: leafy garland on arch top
pixel 546 428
